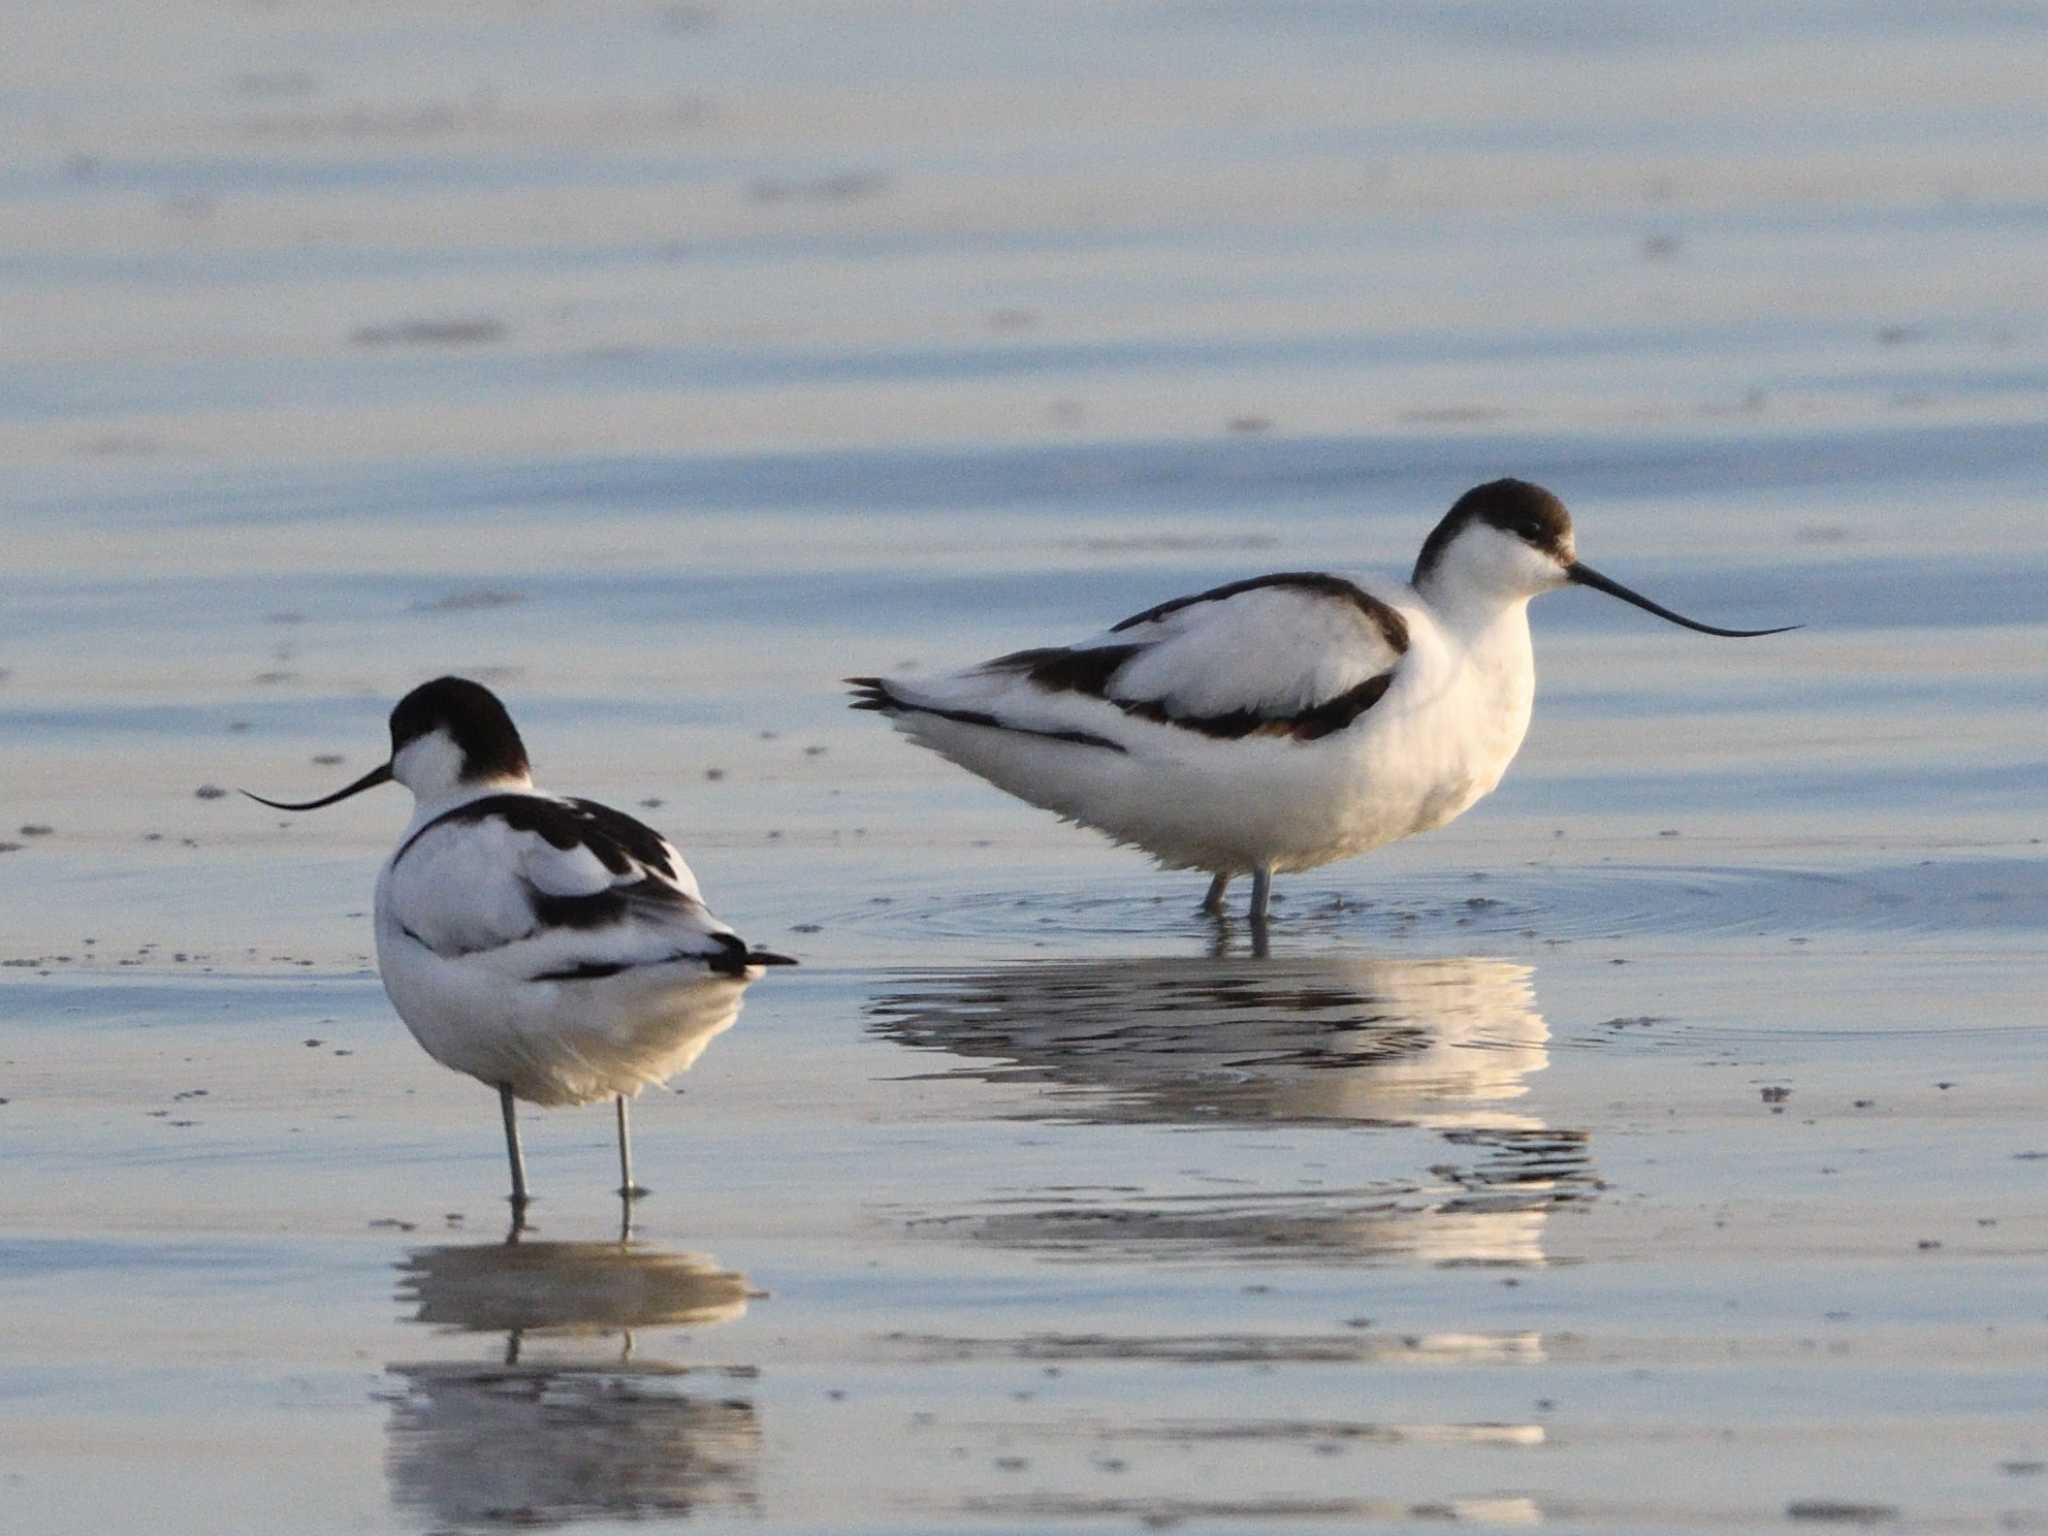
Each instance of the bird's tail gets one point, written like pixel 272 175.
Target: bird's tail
pixel 873 693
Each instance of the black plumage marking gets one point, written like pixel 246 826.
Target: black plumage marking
pixel 1311 724
pixel 618 842
pixel 1392 627
pixel 589 970
pixel 1092 669
pixel 873 693
pixel 732 958
pixel 600 909
pixel 1517 508
pixel 474 720
pixel 1065 669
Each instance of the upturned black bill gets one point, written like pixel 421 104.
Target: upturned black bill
pixel 1586 576
pixel 381 774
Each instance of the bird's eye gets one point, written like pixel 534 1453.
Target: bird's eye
pixel 1533 532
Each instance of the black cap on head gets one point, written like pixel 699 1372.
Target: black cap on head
pixel 1517 508
pixel 474 720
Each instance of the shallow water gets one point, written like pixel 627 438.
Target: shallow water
pixel 1659 1147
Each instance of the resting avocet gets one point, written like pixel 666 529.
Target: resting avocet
pixel 557 950
pixel 1278 723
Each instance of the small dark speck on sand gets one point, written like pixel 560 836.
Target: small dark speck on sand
pixel 314 1041
pixel 1777 1095
pixel 839 187
pixel 328 759
pixel 713 775
pixel 1864 1103
pixel 652 803
pixel 209 792
pixel 807 928
pixel 1929 1244
pixel 10 847
pixel 1840 1512
pixel 36 829
pixel 470 600
pixel 2009 1468
pixel 814 751
pixel 431 333
pixel 394 1224
pixel 1669 832
pixel 2031 1157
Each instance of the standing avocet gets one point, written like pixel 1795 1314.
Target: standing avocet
pixel 1279 723
pixel 557 950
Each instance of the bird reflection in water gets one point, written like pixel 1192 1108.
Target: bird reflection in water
pixel 571 1422
pixel 1442 1046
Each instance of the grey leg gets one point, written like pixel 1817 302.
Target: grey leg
pixel 1262 892
pixel 1213 902
pixel 628 1190
pixel 519 1196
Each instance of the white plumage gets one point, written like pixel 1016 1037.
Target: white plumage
pixel 491 988
pixel 1280 723
pixel 553 948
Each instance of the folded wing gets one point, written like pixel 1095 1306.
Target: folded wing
pixel 1297 655
pixel 555 890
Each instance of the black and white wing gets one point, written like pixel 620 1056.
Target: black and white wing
pixel 555 890
pixel 1298 655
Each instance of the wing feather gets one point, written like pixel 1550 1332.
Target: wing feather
pixel 1298 653
pixel 554 889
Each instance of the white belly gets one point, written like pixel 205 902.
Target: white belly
pixel 1440 740
pixel 554 1042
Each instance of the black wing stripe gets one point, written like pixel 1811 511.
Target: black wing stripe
pixel 1312 724
pixel 600 909
pixel 731 958
pixel 873 693
pixel 619 842
pixel 1392 627
pixel 1086 669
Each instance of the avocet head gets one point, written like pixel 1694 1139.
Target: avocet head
pixel 446 736
pixel 1509 539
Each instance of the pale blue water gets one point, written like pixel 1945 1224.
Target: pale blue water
pixel 1660 1147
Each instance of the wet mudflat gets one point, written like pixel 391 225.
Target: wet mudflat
pixel 1659 1147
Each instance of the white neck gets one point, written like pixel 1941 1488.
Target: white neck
pixel 427 807
pixel 1468 613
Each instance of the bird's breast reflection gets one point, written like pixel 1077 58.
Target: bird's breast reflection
pixel 573 1418
pixel 1443 1046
